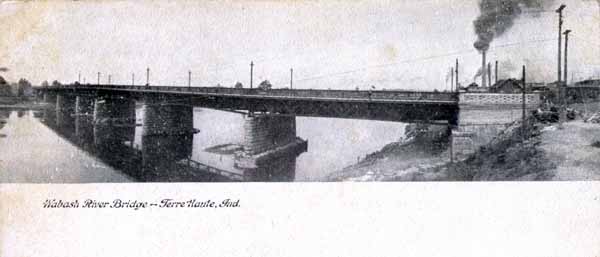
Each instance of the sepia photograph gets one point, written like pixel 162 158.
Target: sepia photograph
pixel 307 91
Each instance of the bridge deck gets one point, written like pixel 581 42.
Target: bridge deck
pixel 287 94
pixel 389 105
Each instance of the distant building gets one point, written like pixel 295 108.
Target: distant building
pixel 588 83
pixel 507 86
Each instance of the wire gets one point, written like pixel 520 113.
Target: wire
pixel 416 60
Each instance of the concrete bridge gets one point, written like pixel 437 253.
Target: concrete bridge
pixel 473 118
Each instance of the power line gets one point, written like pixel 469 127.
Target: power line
pixel 417 59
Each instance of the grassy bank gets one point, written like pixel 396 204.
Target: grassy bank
pixel 536 151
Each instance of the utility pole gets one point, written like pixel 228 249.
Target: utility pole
pixel 524 125
pixel 109 79
pixel 561 112
pixel 251 71
pixel 189 78
pixel 456 71
pixel 451 79
pixel 560 22
pixel 79 77
pixel 98 78
pixel 147 76
pixel 566 52
pixel 132 79
pixel 291 78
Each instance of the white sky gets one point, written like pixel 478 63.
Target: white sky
pixel 329 44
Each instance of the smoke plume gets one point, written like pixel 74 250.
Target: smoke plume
pixel 498 16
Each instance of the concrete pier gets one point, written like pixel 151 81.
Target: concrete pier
pixel 266 132
pixel 270 148
pixel 483 116
pixel 114 120
pixel 160 154
pixel 49 113
pixel 165 116
pixel 65 109
pixel 84 118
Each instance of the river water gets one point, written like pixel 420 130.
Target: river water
pixel 37 147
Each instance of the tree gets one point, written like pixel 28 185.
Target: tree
pixel 265 85
pixel 45 83
pixel 4 88
pixel 24 87
pixel 238 85
pixel 56 83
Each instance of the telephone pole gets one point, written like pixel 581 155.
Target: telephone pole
pixel 98 78
pixel 189 78
pixel 524 125
pixel 566 52
pixel 456 71
pixel 560 22
pixel 451 79
pixel 147 76
pixel 132 79
pixel 251 71
pixel 291 78
pixel 559 85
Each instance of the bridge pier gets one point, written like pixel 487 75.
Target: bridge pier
pixel 164 116
pixel 65 109
pixel 114 120
pixel 270 148
pixel 160 154
pixel 482 116
pixel 84 117
pixel 49 98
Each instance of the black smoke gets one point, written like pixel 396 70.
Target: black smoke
pixel 498 16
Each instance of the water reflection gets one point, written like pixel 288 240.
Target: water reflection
pixel 164 150
pixel 114 139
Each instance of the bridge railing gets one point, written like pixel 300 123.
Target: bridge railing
pixel 292 93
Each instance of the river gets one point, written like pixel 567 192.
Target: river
pixel 37 147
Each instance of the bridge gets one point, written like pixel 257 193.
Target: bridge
pixel 387 105
pixel 474 118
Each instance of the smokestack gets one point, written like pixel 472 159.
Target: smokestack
pixel 496 73
pixel 483 73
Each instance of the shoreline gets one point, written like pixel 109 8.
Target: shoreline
pixel 543 155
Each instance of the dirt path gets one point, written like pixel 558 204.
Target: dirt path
pixel 572 151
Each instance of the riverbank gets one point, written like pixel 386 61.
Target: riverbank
pixel 544 152
pixel 10 102
pixel 420 149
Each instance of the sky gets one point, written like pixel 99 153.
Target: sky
pixel 329 44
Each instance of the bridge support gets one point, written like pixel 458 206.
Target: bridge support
pixel 482 116
pixel 65 109
pixel 84 117
pixel 160 154
pixel 114 120
pixel 270 148
pixel 164 116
